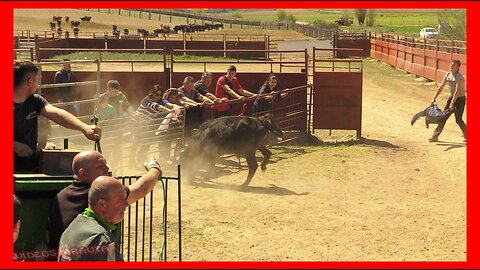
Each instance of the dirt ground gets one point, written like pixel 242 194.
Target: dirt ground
pixel 391 196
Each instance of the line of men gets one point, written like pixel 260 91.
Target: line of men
pixel 192 94
pixel 85 213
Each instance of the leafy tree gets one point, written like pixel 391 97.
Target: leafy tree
pixel 198 11
pixel 326 25
pixel 452 24
pixel 281 15
pixel 361 13
pixel 291 18
pixel 371 16
pixel 237 14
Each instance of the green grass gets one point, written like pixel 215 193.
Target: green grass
pixel 136 56
pixel 404 23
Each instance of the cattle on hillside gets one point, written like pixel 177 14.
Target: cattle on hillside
pixel 192 28
pixel 74 24
pixel 76 31
pixel 86 18
pixel 239 135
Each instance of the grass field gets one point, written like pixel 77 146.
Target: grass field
pixel 136 56
pixel 399 21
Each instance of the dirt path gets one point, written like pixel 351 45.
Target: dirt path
pixel 392 196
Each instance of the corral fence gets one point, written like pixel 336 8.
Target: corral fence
pixel 47 48
pixel 24 54
pixel 353 41
pixel 90 88
pixel 429 58
pixel 290 112
pixel 128 141
pixel 337 93
pixel 311 30
pixel 139 231
pixel 142 233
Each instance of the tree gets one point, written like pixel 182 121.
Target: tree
pixel 281 15
pixel 361 13
pixel 291 18
pixel 452 24
pixel 237 14
pixel 198 11
pixel 371 15
pixel 326 25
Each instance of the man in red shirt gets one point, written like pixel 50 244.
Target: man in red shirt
pixel 229 87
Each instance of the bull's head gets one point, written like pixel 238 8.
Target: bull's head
pixel 270 125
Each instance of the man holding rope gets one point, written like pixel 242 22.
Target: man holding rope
pixel 27 107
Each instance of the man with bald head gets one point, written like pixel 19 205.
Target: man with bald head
pixel 89 237
pixel 72 200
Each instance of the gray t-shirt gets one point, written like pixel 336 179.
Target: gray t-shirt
pixel 193 94
pixel 86 240
pixel 452 80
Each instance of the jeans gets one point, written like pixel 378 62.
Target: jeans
pixel 459 108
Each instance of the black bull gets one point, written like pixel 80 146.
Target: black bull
pixel 239 135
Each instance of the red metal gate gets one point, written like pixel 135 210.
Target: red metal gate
pixel 337 94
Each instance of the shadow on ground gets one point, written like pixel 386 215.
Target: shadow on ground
pixel 451 145
pixel 271 189
pixel 282 150
pixel 369 142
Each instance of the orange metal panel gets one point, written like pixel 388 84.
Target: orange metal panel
pixel 440 75
pixel 337 100
pixel 392 60
pixel 349 118
pixel 417 69
pixel 400 63
pixel 430 73
pixel 408 66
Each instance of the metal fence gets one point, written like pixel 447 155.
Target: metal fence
pixel 429 58
pixel 139 239
pixel 138 233
pixel 337 95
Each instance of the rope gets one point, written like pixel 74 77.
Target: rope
pixel 94 120
pixel 161 257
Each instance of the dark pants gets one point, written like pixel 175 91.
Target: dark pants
pixel 26 164
pixel 193 119
pixel 218 114
pixel 459 108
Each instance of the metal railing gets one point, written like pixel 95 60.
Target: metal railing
pixel 18 53
pixel 435 44
pixel 268 57
pixel 136 218
pixel 139 216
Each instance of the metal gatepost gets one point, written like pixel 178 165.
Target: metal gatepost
pixel 131 246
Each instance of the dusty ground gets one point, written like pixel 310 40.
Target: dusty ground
pixel 390 196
